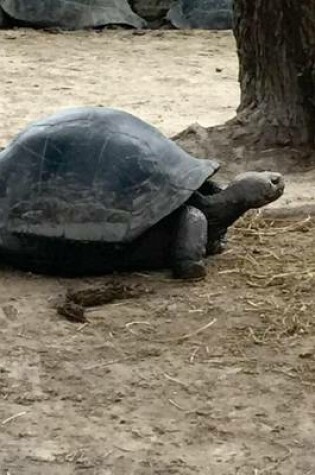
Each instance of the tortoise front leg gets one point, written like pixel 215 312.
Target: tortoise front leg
pixel 190 244
pixel 208 188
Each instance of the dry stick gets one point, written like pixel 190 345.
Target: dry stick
pixel 103 365
pixel 283 274
pixel 229 271
pixel 167 376
pixel 9 419
pixel 78 330
pixel 193 355
pixel 181 408
pixel 81 327
pixel 255 304
pixel 276 231
pixel 271 253
pixel 123 449
pixel 188 335
pixel 128 325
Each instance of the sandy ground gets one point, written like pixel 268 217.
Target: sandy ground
pixel 147 387
pixel 167 78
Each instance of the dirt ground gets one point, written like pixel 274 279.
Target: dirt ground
pixel 214 377
pixel 165 77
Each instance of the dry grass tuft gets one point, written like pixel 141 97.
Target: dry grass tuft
pixel 276 254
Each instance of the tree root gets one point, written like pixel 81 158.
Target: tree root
pixel 238 149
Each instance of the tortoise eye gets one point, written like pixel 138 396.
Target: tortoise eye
pixel 275 180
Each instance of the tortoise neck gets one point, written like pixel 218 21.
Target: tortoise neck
pixel 221 209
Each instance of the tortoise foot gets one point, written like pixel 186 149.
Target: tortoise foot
pixel 190 270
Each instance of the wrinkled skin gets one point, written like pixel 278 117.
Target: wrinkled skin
pixel 198 229
pixel 217 246
pixel 259 188
pixel 250 190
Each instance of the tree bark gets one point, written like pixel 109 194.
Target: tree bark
pixel 276 48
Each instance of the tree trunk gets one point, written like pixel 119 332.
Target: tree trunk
pixel 276 48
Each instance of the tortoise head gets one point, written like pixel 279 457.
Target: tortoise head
pixel 257 189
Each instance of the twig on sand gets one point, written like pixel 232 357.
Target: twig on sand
pixel 275 231
pixel 123 449
pixel 188 335
pixel 105 364
pixel 193 355
pixel 12 418
pixel 181 408
pixel 81 327
pixel 167 376
pixel 271 276
pixel 130 324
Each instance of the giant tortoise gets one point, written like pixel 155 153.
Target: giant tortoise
pixel 203 14
pixel 70 14
pixel 93 190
